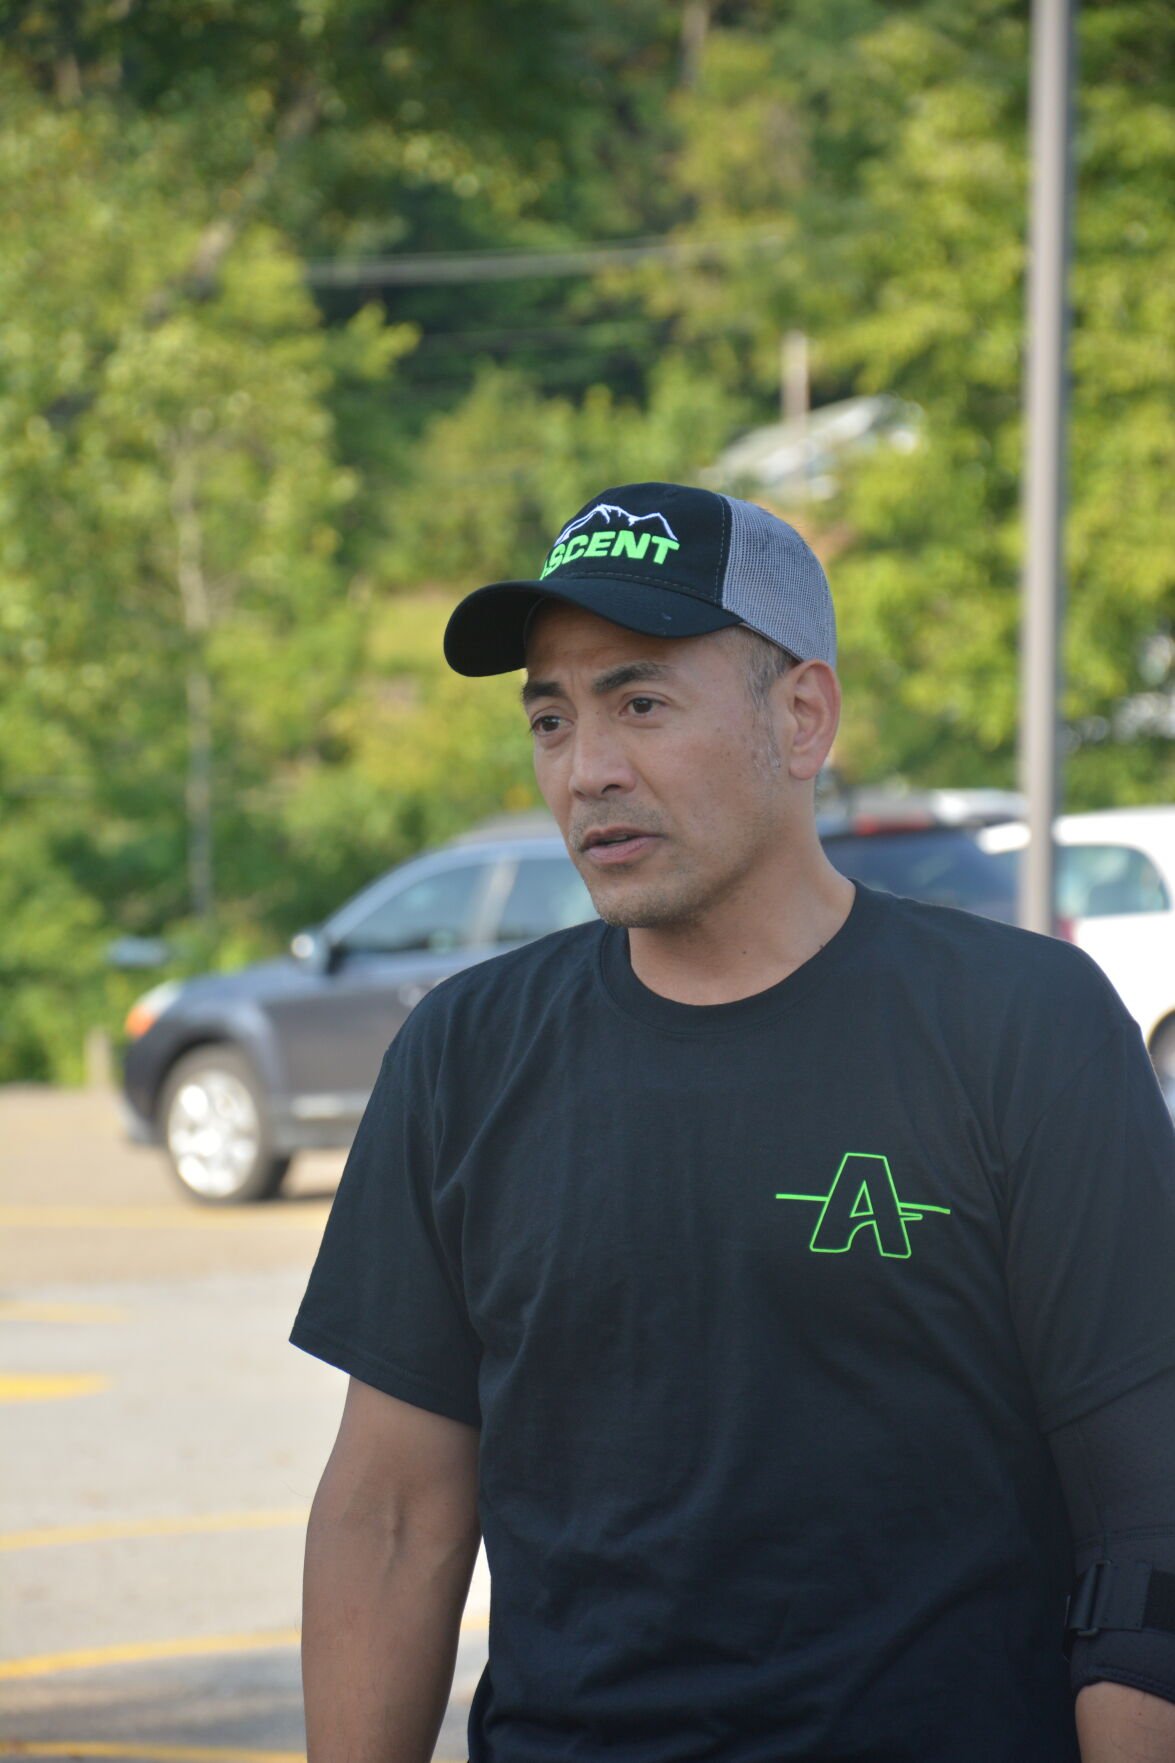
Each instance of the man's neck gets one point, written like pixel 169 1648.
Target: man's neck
pixel 746 943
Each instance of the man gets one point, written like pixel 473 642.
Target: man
pixel 778 1274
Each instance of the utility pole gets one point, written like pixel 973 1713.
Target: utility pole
pixel 793 378
pixel 1051 109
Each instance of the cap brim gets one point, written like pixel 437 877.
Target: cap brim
pixel 487 631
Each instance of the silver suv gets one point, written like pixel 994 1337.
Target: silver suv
pixel 235 1073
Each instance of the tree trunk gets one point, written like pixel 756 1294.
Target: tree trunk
pixel 220 235
pixel 198 796
pixel 193 587
pixel 198 281
pixel 695 27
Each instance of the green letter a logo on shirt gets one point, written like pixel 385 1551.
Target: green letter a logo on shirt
pixel 863 1197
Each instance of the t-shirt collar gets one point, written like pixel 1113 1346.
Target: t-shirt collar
pixel 635 999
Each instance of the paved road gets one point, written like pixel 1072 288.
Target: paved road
pixel 162 1442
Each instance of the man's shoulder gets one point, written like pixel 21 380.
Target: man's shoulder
pixel 971 936
pixel 984 964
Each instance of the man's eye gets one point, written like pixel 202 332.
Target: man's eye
pixel 642 706
pixel 545 725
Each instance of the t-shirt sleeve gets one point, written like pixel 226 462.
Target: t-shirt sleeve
pixel 1091 1233
pixel 384 1302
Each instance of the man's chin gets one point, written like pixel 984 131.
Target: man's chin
pixel 641 908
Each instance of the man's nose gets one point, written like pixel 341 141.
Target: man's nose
pixel 598 760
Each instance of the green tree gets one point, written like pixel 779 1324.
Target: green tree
pixel 171 617
pixel 233 515
pixel 196 468
pixel 889 147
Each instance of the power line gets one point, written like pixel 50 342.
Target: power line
pixel 425 268
pixel 509 336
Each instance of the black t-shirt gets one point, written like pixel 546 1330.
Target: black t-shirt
pixel 764 1310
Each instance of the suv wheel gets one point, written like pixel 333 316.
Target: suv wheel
pixel 215 1129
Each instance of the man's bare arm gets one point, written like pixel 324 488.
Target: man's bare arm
pixel 1116 1724
pixel 390 1548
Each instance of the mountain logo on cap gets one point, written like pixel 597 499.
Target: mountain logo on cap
pixel 611 541
pixel 608 509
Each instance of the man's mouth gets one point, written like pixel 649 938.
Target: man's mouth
pixel 615 844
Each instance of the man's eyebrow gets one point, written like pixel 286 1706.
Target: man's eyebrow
pixel 540 688
pixel 629 673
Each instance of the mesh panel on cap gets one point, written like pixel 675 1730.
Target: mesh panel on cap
pixel 775 584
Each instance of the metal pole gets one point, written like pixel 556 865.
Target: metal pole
pixel 1044 463
pixel 793 378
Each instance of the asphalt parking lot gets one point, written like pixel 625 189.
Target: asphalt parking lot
pixel 162 1444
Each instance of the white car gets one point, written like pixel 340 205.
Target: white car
pixel 1115 884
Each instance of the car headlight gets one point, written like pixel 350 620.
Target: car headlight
pixel 147 1010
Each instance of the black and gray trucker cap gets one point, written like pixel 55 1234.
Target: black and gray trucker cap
pixel 669 561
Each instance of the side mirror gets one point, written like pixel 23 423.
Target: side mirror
pixel 314 949
pixel 128 953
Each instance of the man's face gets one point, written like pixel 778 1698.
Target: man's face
pixel 656 744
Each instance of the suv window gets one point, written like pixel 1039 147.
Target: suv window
pixel 547 895
pixel 436 913
pixel 941 865
pixel 1100 881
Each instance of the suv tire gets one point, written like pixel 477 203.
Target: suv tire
pixel 215 1126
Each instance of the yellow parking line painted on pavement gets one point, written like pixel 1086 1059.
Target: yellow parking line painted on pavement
pixel 158 1218
pixel 21 1310
pixel 45 1387
pixel 31 1310
pixel 193 1647
pixel 189 1524
pixel 149 1753
pixel 138 1652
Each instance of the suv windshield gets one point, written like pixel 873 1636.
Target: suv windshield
pixel 940 864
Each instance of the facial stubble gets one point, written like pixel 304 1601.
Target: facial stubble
pixel 679 901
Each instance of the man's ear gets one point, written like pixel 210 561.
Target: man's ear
pixel 813 692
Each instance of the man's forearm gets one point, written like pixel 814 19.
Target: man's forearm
pixel 381 1617
pixel 1117 1724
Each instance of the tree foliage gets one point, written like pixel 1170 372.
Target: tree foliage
pixel 235 505
pixel 900 133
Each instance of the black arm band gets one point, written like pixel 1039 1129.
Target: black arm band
pixel 1128 1595
pixel 1117 1470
